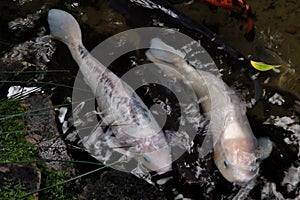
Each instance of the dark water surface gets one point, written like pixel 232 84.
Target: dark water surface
pixel 277 27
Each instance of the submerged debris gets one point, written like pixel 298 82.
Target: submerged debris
pixel 269 192
pixel 271 38
pixel 37 51
pixel 22 1
pixel 20 25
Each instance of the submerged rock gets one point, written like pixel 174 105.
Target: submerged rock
pixel 114 184
pixel 46 135
pixel 17 180
pixel 292 29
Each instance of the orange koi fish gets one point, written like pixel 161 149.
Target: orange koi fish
pixel 238 6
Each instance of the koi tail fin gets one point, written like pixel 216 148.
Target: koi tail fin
pixel 164 53
pixel 265 147
pixel 64 27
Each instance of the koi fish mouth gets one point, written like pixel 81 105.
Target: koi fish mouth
pixel 244 177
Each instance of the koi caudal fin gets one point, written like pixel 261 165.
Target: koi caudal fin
pixel 64 27
pixel 163 52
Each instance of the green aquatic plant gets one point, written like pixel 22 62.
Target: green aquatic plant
pixel 53 178
pixel 13 132
pixel 12 189
pixel 15 150
pixel 12 135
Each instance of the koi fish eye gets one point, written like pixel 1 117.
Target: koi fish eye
pixel 147 158
pixel 226 163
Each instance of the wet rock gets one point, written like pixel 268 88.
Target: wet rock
pixel 22 23
pixel 30 22
pixel 8 69
pixel 39 50
pixel 31 56
pixel 17 180
pixel 41 120
pixel 119 185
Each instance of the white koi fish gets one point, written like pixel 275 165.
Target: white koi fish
pixel 130 121
pixel 237 152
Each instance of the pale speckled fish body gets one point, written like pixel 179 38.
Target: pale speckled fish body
pixel 236 150
pixel 122 110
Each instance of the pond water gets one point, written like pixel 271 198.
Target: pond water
pixel 275 115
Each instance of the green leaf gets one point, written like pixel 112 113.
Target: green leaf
pixel 263 66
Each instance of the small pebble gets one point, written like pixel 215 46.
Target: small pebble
pixel 291 29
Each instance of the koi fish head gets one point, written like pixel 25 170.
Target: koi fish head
pixel 240 6
pixel 238 153
pixel 235 156
pixel 156 159
pixel 240 164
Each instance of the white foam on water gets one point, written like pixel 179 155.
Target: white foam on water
pixel 290 124
pixel 292 178
pixel 277 99
pixel 62 111
pixel 269 192
pixel 21 92
pixel 285 122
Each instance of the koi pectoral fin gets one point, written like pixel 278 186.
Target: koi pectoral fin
pixel 163 52
pixel 115 145
pixel 248 26
pixel 207 146
pixel 264 149
pixel 249 30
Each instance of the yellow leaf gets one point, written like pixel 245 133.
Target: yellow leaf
pixel 26 64
pixel 263 66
